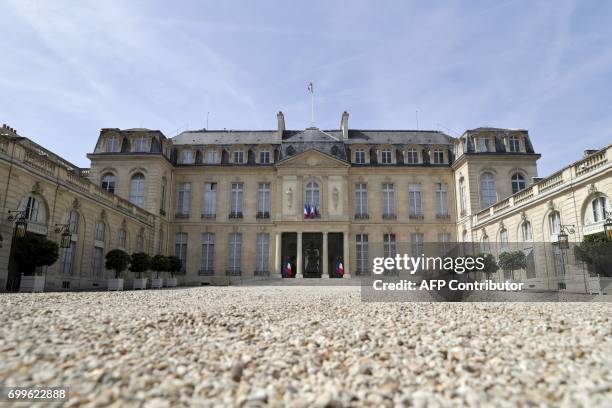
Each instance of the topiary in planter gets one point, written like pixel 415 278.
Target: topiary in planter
pixel 117 260
pixel 33 251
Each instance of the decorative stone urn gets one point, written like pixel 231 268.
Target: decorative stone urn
pixel 115 284
pixel 140 283
pixel 32 283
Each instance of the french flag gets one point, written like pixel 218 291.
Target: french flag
pixel 305 210
pixel 289 269
pixel 340 269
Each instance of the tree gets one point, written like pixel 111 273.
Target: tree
pixel 490 266
pixel 174 265
pixel 139 263
pixel 159 263
pixel 117 260
pixel 596 250
pixel 510 261
pixel 33 251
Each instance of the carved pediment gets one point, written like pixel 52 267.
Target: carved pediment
pixel 312 158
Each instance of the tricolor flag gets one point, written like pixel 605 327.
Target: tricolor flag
pixel 289 269
pixel 309 87
pixel 306 211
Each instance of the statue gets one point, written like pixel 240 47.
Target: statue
pixel 312 259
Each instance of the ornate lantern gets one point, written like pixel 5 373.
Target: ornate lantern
pixel 608 226
pixel 66 238
pixel 21 225
pixel 563 240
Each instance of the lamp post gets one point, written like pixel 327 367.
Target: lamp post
pixel 562 237
pixel 608 224
pixel 66 238
pixel 21 222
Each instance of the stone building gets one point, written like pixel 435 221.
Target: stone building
pixel 249 203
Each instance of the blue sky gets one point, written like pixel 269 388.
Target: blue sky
pixel 70 68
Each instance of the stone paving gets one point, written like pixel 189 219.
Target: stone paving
pixel 304 346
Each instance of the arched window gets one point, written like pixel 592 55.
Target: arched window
pixel 34 209
pixel 554 222
pixel 527 232
pixel 599 206
pixel 290 151
pixel 69 253
pixel 108 182
pixel 488 195
pixel 312 196
pixel 518 183
pixel 465 237
pixel 137 189
pixel 503 239
pixel 122 238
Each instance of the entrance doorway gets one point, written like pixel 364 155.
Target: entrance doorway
pixel 335 251
pixel 289 251
pixel 312 254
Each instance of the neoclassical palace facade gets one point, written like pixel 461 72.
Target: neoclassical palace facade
pixel 242 204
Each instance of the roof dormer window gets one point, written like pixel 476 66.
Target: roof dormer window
pixel 238 156
pixel 438 156
pixel 141 144
pixel 386 156
pixel 412 156
pixel 187 157
pixel 111 144
pixel 483 144
pixel 514 144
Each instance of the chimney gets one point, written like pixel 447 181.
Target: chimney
pixel 590 152
pixel 344 125
pixel 281 124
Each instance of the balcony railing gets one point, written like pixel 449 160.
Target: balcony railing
pixel 362 216
pixel 416 216
pixel 235 215
pixel 233 272
pixel 443 216
pixel 389 217
pixel 206 272
pixel 262 215
pixel 179 216
pixel 208 216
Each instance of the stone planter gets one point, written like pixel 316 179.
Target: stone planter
pixel 115 284
pixel 157 283
pixel 32 283
pixel 140 283
pixel 171 282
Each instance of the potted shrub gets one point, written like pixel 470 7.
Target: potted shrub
pixel 174 267
pixel 116 260
pixel 490 266
pixel 511 261
pixel 159 263
pixel 31 252
pixel 139 263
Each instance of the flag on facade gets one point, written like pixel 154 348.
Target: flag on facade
pixel 305 210
pixel 310 88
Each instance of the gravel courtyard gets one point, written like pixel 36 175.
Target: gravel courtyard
pixel 304 346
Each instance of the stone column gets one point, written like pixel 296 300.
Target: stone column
pixel 325 273
pixel 299 272
pixel 277 257
pixel 345 257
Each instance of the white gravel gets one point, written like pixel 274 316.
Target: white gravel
pixel 304 346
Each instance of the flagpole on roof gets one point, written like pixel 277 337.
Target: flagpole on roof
pixel 310 89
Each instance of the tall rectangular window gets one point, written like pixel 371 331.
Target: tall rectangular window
pixel 98 254
pixel 462 203
pixel 444 242
pixel 162 199
pixel 360 156
pixel 386 156
pixel 236 200
pixel 183 200
pixel 264 157
pixel 180 249
pixel 388 201
pixel 363 261
pixel 263 200
pixel 441 200
pixel 210 200
pixel 412 156
pixel 414 200
pixel 416 241
pixel 207 263
pixel 238 156
pixel 262 247
pixel 484 144
pixel 121 238
pixel 389 248
pixel 212 157
pixel 234 253
pixel 438 156
pixel 68 258
pixel 361 200
pixel 99 232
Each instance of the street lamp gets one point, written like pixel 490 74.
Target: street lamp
pixel 21 222
pixel 608 224
pixel 562 237
pixel 66 238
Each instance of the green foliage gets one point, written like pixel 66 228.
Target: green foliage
pixel 174 265
pixel 490 266
pixel 513 260
pixel 34 250
pixel 596 250
pixel 160 263
pixel 117 260
pixel 139 263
